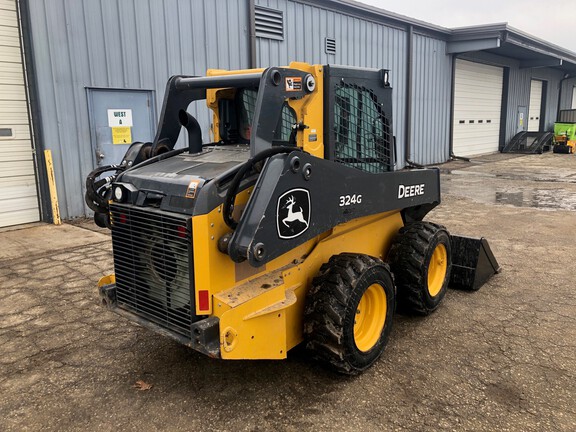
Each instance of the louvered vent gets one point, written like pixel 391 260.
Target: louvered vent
pixel 330 45
pixel 269 23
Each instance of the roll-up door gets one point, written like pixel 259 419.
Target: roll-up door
pixel 18 192
pixel 477 108
pixel 535 108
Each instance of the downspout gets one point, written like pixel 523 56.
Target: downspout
pixel 566 77
pixel 252 31
pixel 34 114
pixel 408 114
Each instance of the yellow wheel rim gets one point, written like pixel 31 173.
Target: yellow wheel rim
pixel 370 317
pixel 437 269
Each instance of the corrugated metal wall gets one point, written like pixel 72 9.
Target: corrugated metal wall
pixel 358 43
pixel 431 95
pixel 567 93
pixel 136 44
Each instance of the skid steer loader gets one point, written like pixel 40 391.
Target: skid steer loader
pixel 291 226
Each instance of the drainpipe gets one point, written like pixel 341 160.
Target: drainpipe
pixel 252 31
pixel 408 114
pixel 567 76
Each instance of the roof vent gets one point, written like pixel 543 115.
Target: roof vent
pixel 330 45
pixel 269 23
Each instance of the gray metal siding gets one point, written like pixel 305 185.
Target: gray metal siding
pixel 568 86
pixel 136 44
pixel 358 43
pixel 431 95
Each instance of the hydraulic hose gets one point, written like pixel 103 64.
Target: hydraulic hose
pixel 98 191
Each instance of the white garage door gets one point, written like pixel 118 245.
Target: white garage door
pixel 18 193
pixel 574 98
pixel 477 108
pixel 535 105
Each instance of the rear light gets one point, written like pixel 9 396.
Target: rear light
pixel 204 300
pixel 182 232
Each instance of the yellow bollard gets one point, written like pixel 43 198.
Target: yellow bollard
pixel 52 186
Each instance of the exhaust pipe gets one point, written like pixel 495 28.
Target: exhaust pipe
pixel 194 131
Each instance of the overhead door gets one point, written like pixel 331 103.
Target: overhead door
pixel 535 107
pixel 477 108
pixel 574 98
pixel 18 192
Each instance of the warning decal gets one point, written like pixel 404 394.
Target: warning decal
pixel 192 188
pixel 293 83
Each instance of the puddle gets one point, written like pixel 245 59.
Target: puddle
pixel 546 199
pixel 536 177
pixel 507 193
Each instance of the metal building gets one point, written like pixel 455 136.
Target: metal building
pixel 95 72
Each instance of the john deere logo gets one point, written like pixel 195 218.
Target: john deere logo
pixel 293 213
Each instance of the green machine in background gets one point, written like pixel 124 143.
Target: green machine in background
pixel 565 132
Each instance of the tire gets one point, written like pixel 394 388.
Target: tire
pixel 348 312
pixel 421 262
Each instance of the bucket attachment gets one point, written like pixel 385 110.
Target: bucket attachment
pixel 473 263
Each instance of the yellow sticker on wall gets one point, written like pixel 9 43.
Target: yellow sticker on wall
pixel 121 135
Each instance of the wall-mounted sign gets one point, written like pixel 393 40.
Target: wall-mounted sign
pixel 120 118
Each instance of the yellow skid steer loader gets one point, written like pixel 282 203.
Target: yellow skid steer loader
pixel 291 226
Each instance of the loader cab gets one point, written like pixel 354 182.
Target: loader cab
pixel 234 118
pixel 331 112
pixel 259 108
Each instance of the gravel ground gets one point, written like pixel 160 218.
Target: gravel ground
pixel 502 358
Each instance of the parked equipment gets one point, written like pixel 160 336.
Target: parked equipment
pixel 529 143
pixel 292 226
pixel 564 137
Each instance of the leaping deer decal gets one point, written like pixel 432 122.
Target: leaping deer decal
pixel 292 215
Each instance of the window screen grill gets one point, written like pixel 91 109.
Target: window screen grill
pixel 362 132
pixel 269 23
pixel 248 102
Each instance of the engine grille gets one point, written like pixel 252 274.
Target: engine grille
pixel 152 262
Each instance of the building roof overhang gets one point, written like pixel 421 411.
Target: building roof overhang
pixel 506 41
pixel 500 39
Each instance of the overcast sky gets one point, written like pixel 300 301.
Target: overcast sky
pixel 551 20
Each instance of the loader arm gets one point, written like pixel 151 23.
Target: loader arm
pixel 298 197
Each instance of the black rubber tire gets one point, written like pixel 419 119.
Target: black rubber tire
pixel 561 148
pixel 409 258
pixel 331 306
